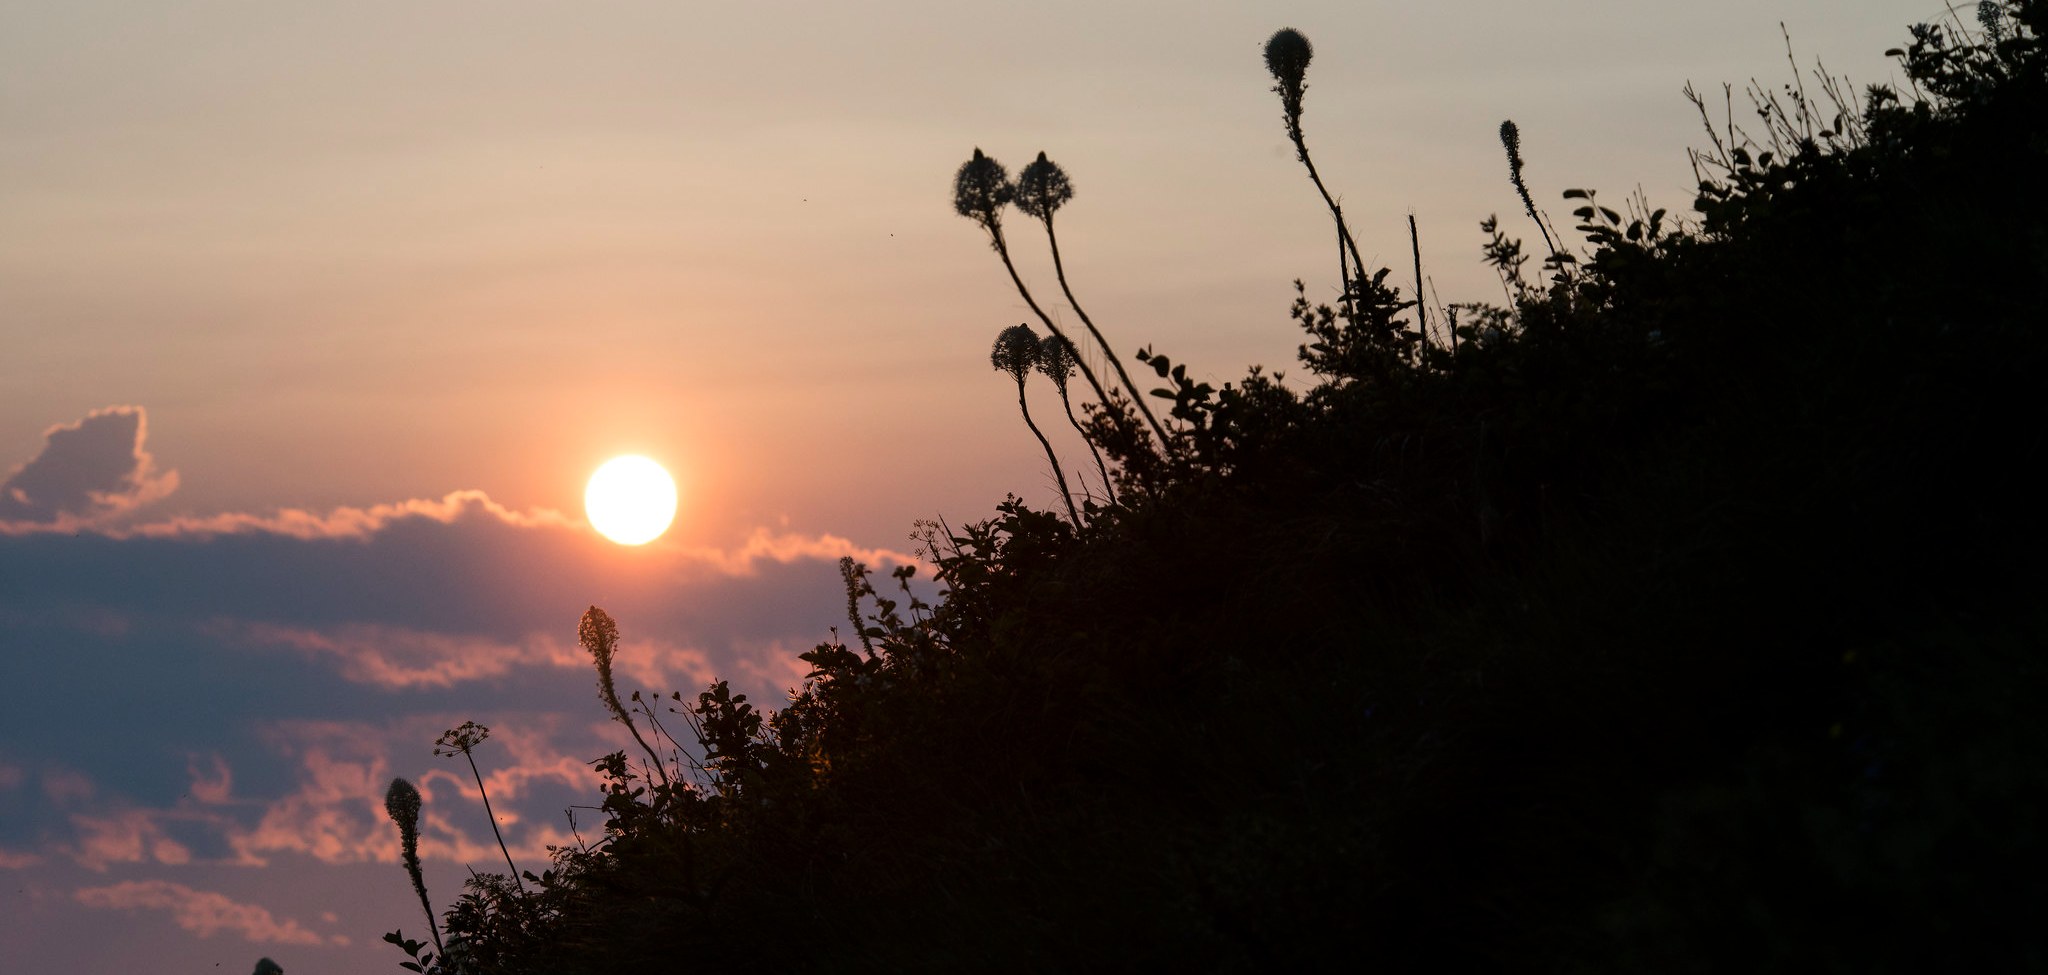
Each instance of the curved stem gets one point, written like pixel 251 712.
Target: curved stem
pixel 1343 232
pixel 494 820
pixel 1059 269
pixel 1100 467
pixel 1057 474
pixel 1003 251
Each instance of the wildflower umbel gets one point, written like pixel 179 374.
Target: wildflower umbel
pixel 402 804
pixel 1016 352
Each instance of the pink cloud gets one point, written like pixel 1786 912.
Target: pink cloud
pixel 786 547
pixel 18 859
pixel 348 522
pixel 124 836
pixel 204 913
pixel 399 657
pixel 211 786
pixel 88 473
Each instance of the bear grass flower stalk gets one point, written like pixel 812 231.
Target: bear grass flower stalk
pixel 1287 56
pixel 402 804
pixel 599 635
pixel 1016 352
pixel 981 189
pixel 1042 188
pixel 1511 140
pixel 1056 359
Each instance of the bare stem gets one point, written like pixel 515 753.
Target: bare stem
pixel 1057 474
pixel 1100 467
pixel 1059 270
pixel 1003 251
pixel 494 820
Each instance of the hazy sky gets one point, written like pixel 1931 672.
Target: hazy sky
pixel 279 279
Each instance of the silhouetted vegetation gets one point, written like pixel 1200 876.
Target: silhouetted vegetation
pixel 1679 613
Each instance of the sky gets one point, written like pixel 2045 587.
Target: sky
pixel 315 317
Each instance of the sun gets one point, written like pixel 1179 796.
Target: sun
pixel 630 500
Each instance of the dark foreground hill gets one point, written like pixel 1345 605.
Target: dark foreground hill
pixel 1684 616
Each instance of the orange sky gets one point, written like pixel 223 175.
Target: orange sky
pixel 348 254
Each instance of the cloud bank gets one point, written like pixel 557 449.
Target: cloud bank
pixel 199 713
pixel 202 912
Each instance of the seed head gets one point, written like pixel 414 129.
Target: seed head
pixel 600 636
pixel 1056 360
pixel 1015 352
pixel 980 191
pixel 459 740
pixel 1287 57
pixel 1043 187
pixel 402 803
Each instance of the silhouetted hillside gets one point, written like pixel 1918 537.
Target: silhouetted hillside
pixel 1683 616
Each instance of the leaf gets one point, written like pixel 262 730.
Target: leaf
pixel 1577 195
pixel 1612 217
pixel 1583 213
pixel 1163 393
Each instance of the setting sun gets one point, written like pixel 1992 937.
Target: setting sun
pixel 631 500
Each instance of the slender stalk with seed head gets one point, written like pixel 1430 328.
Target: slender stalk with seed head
pixel 463 741
pixel 981 189
pixel 600 636
pixel 402 803
pixel 1287 55
pixel 1016 352
pixel 1042 188
pixel 1056 359
pixel 1511 140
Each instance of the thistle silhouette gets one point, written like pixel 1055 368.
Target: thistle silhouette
pixel 402 803
pixel 1042 188
pixel 1056 360
pixel 981 189
pixel 462 741
pixel 1287 55
pixel 1016 352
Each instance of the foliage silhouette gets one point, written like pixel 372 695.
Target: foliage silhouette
pixel 1681 613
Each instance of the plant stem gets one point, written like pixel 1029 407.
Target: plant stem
pixel 1003 251
pixel 1065 495
pixel 1421 319
pixel 1100 467
pixel 494 820
pixel 1343 232
pixel 1059 269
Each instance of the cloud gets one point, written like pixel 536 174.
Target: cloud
pixel 202 912
pixel 88 473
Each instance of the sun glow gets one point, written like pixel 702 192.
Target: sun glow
pixel 630 500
